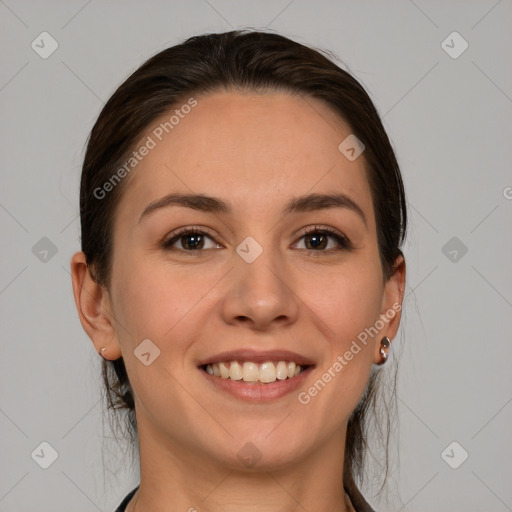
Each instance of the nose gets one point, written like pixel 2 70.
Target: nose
pixel 260 294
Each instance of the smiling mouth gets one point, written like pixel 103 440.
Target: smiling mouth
pixel 250 372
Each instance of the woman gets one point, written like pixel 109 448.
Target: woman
pixel 242 213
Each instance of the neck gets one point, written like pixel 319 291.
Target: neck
pixel 174 479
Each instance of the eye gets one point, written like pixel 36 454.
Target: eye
pixel 317 239
pixel 190 239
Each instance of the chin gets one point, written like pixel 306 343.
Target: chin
pixel 261 452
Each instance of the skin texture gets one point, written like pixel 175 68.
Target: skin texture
pixel 256 152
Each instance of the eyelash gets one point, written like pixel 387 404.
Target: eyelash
pixel 342 240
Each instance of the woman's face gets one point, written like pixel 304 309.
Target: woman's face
pixel 254 284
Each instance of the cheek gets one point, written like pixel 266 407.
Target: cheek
pixel 348 305
pixel 154 300
pixel 148 306
pixel 139 308
pixel 348 302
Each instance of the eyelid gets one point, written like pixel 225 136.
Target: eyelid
pixel 193 228
pixel 318 227
pixel 340 237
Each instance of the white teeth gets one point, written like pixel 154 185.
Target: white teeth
pixel 235 371
pixel 224 371
pixel 267 372
pixel 252 372
pixel 281 370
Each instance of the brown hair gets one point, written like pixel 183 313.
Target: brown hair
pixel 252 61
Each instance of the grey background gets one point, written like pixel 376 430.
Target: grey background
pixel 450 122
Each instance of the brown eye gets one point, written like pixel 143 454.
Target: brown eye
pixel 319 240
pixel 191 240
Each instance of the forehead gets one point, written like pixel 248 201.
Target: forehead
pixel 257 150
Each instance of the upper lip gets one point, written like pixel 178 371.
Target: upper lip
pixel 256 356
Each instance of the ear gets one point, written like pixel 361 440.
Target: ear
pixel 391 308
pixel 94 309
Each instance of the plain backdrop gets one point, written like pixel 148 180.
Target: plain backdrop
pixel 447 109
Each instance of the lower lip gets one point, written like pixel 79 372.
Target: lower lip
pixel 258 392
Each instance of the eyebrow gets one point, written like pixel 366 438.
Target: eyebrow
pixel 209 204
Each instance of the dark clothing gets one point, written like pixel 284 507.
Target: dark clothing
pixel 125 502
pixel 360 504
